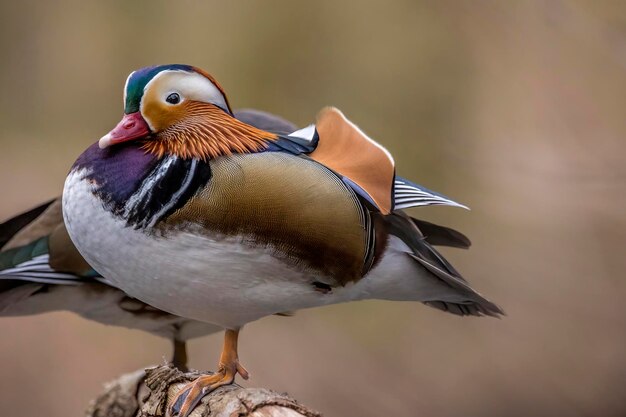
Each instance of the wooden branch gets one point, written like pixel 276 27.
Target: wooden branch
pixel 150 392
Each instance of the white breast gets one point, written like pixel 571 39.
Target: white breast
pixel 215 279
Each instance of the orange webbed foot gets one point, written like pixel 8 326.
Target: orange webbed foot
pixel 191 394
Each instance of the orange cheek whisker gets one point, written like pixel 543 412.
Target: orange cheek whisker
pixel 205 132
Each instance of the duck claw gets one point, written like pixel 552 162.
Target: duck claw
pixel 192 393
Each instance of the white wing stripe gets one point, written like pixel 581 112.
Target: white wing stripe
pixel 38 270
pixel 412 193
pixel 408 205
pixel 61 276
pixel 306 133
pixel 44 280
pixel 421 198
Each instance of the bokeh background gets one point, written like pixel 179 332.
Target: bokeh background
pixel 513 108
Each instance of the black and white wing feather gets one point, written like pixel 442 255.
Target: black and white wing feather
pixel 408 194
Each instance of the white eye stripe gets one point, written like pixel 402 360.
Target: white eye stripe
pixel 188 84
pixel 126 88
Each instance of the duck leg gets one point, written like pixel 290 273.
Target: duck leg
pixel 179 359
pixel 229 366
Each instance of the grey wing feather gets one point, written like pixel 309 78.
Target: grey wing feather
pixel 424 254
pixel 442 236
pixel 13 292
pixel 11 227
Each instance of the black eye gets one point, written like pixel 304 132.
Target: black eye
pixel 173 98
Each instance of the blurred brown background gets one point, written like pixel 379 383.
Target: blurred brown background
pixel 514 108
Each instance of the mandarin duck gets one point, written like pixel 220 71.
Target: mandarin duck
pixel 42 271
pixel 204 216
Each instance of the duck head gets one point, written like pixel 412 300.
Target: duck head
pixel 181 110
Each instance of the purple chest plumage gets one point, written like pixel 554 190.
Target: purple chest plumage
pixel 138 186
pixel 117 172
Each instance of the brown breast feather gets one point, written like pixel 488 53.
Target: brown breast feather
pixel 345 149
pixel 291 204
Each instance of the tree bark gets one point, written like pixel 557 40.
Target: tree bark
pixel 150 392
